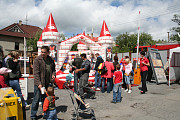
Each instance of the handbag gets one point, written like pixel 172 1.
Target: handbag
pixel 104 70
pixel 16 73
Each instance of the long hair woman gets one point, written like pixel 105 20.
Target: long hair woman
pixel 144 63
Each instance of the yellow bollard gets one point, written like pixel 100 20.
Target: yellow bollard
pixel 137 76
pixel 10 105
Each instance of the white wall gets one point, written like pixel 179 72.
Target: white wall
pixel 10 46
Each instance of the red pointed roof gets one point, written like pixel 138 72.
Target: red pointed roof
pixel 81 43
pixel 104 30
pixel 51 26
pixel 40 39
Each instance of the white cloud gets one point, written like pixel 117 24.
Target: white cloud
pixel 74 16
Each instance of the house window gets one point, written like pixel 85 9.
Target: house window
pixel 16 46
pixel 15 29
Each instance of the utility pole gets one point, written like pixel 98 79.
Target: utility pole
pixel 26 19
pixel 168 36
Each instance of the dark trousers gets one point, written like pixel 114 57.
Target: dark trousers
pixel 124 83
pixel 143 80
pixel 76 77
pixel 83 85
pixel 35 102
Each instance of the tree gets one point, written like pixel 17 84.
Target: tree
pixel 127 42
pixel 62 36
pixel 161 41
pixel 74 47
pixel 32 42
pixel 176 30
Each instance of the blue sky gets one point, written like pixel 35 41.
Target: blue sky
pixel 75 16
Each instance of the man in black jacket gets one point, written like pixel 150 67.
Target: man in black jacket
pixel 97 75
pixel 76 65
pixel 83 81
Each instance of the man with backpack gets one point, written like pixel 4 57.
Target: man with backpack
pixel 97 75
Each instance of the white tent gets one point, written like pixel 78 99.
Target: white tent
pixel 174 64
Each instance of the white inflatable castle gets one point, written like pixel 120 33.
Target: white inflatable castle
pixel 60 50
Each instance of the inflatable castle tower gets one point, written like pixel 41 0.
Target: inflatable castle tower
pixel 59 49
pixel 106 41
pixel 50 37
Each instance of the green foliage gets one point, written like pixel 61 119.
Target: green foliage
pixel 127 42
pixel 74 47
pixel 176 30
pixel 32 42
pixel 161 41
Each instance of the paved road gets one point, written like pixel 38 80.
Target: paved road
pixel 160 103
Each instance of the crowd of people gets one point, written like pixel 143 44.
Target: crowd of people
pixel 9 77
pixel 115 75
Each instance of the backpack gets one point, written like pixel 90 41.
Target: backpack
pixel 104 70
pixel 16 73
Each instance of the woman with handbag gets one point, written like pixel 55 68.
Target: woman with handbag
pixel 107 75
pixel 14 75
pixel 13 64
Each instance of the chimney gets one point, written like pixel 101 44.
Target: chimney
pixel 20 22
pixel 91 35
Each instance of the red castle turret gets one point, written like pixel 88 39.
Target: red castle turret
pixel 104 30
pixel 51 32
pixel 105 39
pixel 51 26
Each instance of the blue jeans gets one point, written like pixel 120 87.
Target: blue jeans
pixel 117 92
pixel 51 115
pixel 35 102
pixel 16 87
pixel 108 85
pixel 127 80
pixel 97 83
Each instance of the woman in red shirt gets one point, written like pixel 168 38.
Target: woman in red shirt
pixel 144 63
pixel 108 75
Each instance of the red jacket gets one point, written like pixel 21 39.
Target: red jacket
pixel 49 103
pixel 2 82
pixel 142 66
pixel 110 69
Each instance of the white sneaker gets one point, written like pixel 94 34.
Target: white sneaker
pixel 130 91
pixel 40 103
pixel 98 89
pixel 126 90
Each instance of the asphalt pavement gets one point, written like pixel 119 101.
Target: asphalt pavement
pixel 161 102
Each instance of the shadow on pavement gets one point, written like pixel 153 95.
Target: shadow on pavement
pixel 61 108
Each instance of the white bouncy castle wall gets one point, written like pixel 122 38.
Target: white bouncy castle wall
pixel 65 46
pixel 51 37
pixel 174 64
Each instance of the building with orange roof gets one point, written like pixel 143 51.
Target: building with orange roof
pixel 12 36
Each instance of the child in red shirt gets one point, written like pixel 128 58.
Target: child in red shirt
pixel 49 107
pixel 3 72
pixel 117 80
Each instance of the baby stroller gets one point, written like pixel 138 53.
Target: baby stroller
pixel 81 107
